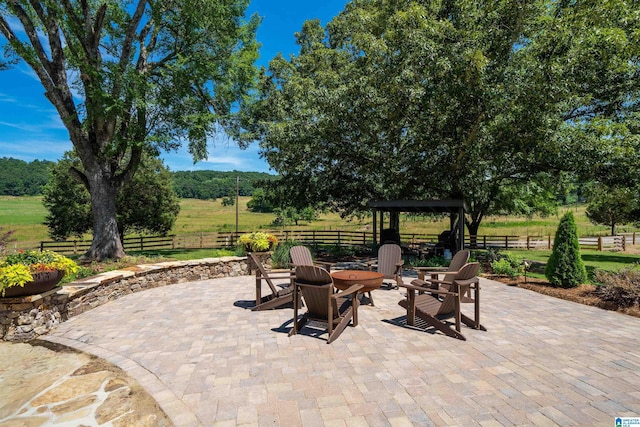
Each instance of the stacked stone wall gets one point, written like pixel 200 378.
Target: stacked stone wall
pixel 26 318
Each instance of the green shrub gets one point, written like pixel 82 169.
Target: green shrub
pixel 437 261
pixel 280 257
pixel 565 267
pixel 621 288
pixel 505 267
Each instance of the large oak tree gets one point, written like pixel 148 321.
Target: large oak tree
pixel 487 101
pixel 131 76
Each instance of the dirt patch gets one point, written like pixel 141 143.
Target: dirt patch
pixel 583 294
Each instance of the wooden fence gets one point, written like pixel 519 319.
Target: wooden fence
pixel 420 242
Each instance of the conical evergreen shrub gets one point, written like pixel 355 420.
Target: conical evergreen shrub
pixel 565 267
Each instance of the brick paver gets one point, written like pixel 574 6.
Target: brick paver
pixel 209 360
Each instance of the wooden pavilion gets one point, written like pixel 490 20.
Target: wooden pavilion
pixel 455 209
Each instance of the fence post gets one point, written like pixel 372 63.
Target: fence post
pixel 141 243
pixel 624 243
pixel 75 247
pixel 484 241
pixel 528 242
pixel 506 242
pixel 339 240
pixel 41 246
pixel 600 243
pixel 549 244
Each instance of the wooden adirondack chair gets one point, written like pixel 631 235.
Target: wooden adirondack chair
pixel 449 273
pixel 389 263
pixel 301 255
pixel 434 311
pixel 279 295
pixel 323 304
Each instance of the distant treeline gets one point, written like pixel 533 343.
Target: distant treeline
pixel 213 185
pixel 19 178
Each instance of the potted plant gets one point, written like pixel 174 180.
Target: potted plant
pixel 258 241
pixel 261 244
pixel 30 272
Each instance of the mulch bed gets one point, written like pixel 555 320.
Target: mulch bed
pixel 583 294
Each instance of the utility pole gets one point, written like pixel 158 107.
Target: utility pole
pixel 237 194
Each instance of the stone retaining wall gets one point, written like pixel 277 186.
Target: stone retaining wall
pixel 26 318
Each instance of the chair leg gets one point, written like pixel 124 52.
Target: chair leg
pixel 442 327
pixel 335 333
pixel 472 323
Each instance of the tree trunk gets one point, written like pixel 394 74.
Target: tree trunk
pixel 472 227
pixel 106 241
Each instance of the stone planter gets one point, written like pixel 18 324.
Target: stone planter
pixel 42 282
pixel 264 257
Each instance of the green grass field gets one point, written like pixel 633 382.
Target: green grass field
pixel 610 261
pixel 25 215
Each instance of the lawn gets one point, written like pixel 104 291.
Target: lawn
pixel 610 261
pixel 25 215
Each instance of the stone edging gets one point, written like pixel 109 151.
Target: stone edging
pixel 25 318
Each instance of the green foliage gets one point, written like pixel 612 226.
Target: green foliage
pixel 621 288
pixel 214 184
pixel 292 215
pixel 494 99
pixel 612 206
pixel 136 80
pixel 565 267
pixel 147 203
pixel 19 178
pixel 258 241
pixel 16 269
pixel 228 201
pixel 504 267
pixel 13 275
pixel 437 261
pixel 41 260
pixel 260 202
pixel 280 257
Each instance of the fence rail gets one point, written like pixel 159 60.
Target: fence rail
pixel 421 242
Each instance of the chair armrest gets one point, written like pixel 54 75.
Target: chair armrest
pixel 350 290
pixel 442 292
pixel 287 274
pixel 467 282
pixel 412 286
pixel 439 269
pixel 324 263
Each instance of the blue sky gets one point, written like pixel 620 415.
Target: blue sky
pixel 31 129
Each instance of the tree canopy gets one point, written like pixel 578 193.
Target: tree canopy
pixel 129 77
pixel 146 204
pixel 483 101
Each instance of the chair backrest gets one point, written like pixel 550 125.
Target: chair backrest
pixel 468 271
pixel 388 256
pixel 458 260
pixel 316 286
pixel 300 255
pixel 263 273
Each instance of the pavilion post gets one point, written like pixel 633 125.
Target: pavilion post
pixel 375 227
